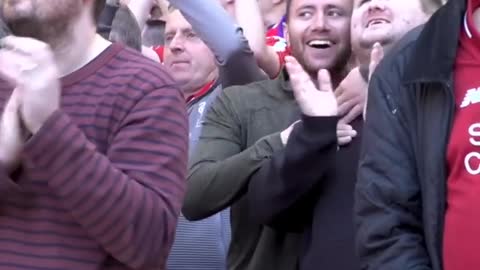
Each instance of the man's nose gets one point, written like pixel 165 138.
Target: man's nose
pixel 375 5
pixel 321 23
pixel 177 44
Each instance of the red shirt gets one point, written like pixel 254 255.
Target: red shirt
pixel 462 220
pixel 159 50
pixel 200 93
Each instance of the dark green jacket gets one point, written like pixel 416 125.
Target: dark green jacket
pixel 242 130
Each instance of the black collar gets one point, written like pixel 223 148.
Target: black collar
pixel 434 52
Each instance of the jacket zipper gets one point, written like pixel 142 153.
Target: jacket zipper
pixel 451 108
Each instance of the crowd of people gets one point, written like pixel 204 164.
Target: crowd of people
pixel 239 134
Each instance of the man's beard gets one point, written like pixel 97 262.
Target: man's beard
pixel 37 29
pixel 338 68
pixel 49 28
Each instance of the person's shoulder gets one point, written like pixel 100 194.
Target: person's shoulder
pixel 252 91
pixel 398 58
pixel 143 73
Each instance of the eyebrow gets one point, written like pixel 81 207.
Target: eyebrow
pixel 182 30
pixel 311 6
pixel 307 6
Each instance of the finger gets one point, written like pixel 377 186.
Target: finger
pixel 324 80
pixel 352 114
pixel 346 133
pixel 376 56
pixel 345 107
pixel 10 64
pixel 10 119
pixel 23 45
pixel 339 91
pixel 299 79
pixel 13 102
pixel 342 126
pixel 344 140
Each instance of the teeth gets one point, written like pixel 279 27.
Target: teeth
pixel 320 43
pixel 376 21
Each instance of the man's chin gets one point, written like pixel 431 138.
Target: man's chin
pixel 369 39
pixel 25 27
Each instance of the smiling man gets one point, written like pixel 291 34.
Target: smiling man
pixel 242 131
pixel 386 22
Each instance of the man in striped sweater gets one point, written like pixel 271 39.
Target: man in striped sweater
pixel 93 145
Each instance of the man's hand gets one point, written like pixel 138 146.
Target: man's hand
pixel 345 134
pixel 29 64
pixel 376 55
pixel 312 101
pixel 12 135
pixel 351 95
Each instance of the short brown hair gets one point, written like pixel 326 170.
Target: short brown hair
pixel 97 9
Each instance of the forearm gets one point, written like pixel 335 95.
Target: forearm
pixel 214 26
pixel 215 185
pixel 249 17
pixel 141 10
pixel 284 191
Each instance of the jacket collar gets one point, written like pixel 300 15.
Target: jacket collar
pixel 435 49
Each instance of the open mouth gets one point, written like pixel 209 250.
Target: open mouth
pixel 377 21
pixel 320 44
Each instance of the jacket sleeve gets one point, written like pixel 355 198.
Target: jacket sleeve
pixel 224 38
pixel 221 167
pixel 284 191
pixel 388 212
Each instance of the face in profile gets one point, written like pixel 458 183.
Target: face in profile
pixel 384 21
pixel 319 33
pixel 188 59
pixel 40 18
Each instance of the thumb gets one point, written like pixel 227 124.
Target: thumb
pixel 376 56
pixel 13 103
pixel 10 123
pixel 324 81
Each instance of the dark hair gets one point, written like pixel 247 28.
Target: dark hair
pixel 125 29
pixel 287 12
pixel 154 33
pixel 97 9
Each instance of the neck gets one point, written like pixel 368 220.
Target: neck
pixel 362 55
pixel 275 14
pixel 189 90
pixel 79 46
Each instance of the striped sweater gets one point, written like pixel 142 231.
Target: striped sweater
pixel 102 182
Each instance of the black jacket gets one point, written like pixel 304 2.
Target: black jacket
pixel 308 187
pixel 401 189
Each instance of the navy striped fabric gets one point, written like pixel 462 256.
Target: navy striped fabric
pixel 101 184
pixel 201 245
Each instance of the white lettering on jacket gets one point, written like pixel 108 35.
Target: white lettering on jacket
pixel 472 159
